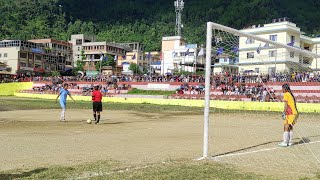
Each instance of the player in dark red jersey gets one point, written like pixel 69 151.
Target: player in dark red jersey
pixel 97 104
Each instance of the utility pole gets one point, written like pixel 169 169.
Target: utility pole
pixel 149 57
pixel 184 64
pixel 275 62
pixel 195 61
pixel 101 59
pixel 317 58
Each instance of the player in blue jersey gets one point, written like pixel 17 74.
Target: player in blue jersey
pixel 63 100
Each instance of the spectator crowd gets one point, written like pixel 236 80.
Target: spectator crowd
pixel 236 78
pixel 251 86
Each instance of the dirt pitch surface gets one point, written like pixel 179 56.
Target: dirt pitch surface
pixel 35 138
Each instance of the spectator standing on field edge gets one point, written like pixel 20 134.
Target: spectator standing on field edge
pixel 96 103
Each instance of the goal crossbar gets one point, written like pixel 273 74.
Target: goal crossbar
pixel 261 39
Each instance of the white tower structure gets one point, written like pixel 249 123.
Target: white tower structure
pixel 179 5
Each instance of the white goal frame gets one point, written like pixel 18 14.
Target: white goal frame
pixel 210 27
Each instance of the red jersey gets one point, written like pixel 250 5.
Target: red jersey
pixel 96 96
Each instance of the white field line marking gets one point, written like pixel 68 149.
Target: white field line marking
pixel 257 151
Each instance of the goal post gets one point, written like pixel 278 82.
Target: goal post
pixel 207 91
pixel 292 58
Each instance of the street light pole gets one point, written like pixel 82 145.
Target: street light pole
pixel 149 66
pixel 275 63
pixel 184 64
pixel 101 59
pixel 317 58
pixel 90 65
pixel 195 61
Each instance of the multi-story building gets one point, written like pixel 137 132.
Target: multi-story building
pixel 94 50
pixel 60 51
pixel 35 56
pixel 85 47
pixel 177 55
pixel 20 56
pixel 134 55
pixel 24 57
pixel 152 57
pixel 263 58
pixel 77 41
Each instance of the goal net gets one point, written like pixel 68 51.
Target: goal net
pixel 250 67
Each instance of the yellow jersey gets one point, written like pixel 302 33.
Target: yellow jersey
pixel 291 108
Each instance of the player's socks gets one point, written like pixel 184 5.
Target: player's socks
pixel 286 137
pixel 62 116
pixel 290 138
pixel 284 143
pixel 98 119
pixel 95 117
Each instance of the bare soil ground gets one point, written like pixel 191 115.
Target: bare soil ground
pixel 35 138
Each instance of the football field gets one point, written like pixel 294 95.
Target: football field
pixel 34 139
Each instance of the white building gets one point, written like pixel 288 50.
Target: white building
pixel 177 55
pixel 77 41
pixel 271 59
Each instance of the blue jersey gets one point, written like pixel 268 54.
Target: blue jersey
pixel 63 97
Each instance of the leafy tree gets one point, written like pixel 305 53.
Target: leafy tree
pixel 144 21
pixel 134 68
pixel 80 62
pixel 109 61
pixel 55 73
pixel 79 65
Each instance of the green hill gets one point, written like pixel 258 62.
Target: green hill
pixel 144 20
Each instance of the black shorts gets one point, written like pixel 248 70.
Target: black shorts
pixel 97 106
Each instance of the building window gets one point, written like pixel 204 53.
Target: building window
pixel 78 41
pixel 305 61
pixel 23 55
pixel 292 54
pixel 250 55
pixel 78 48
pixel 0 55
pixel 249 41
pixel 293 39
pixel 273 53
pixel 273 37
pixel 22 64
pixel 38 57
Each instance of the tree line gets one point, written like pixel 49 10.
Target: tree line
pixel 145 21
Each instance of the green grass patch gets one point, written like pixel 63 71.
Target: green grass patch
pixel 11 103
pixel 183 170
pixel 150 92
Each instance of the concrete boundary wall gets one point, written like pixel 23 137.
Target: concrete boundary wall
pixel 8 89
